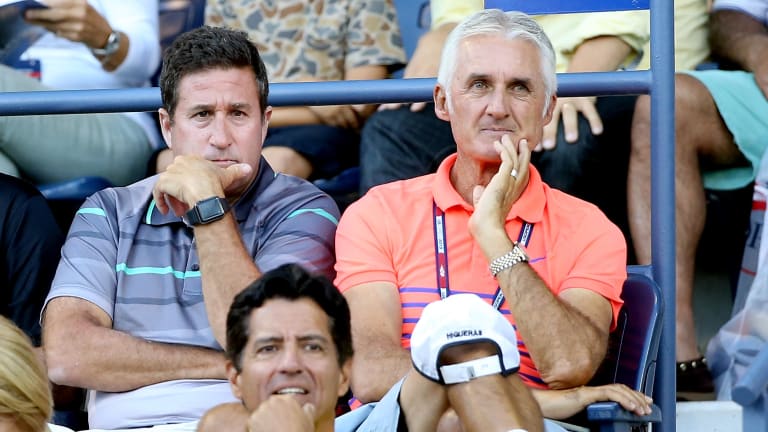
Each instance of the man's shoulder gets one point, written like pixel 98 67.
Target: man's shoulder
pixel 564 208
pixel 121 202
pixel 401 193
pixel 287 192
pixel 142 189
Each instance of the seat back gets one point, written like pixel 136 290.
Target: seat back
pixel 414 21
pixel 634 345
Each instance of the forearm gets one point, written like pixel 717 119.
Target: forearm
pixel 231 417
pixel 226 269
pixel 558 404
pixel 566 346
pixel 293 116
pixel 139 54
pixel 495 403
pixel 367 72
pixel 103 359
pixel 423 402
pixel 599 54
pixel 738 38
pixel 114 61
pixel 376 370
pixel 425 60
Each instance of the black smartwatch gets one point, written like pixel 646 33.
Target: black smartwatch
pixel 207 211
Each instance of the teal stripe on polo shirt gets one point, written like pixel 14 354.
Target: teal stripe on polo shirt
pixel 133 271
pixel 149 213
pixel 92 210
pixel 317 211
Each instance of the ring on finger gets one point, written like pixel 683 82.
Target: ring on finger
pixel 513 173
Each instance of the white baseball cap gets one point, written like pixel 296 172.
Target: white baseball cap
pixel 457 320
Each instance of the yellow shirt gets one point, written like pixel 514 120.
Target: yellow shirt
pixel 565 31
pixel 691 33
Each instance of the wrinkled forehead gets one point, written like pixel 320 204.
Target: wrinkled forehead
pixel 498 55
pixel 289 319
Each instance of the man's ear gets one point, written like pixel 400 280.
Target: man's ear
pixel 346 372
pixel 165 126
pixel 441 103
pixel 550 109
pixel 265 123
pixel 234 379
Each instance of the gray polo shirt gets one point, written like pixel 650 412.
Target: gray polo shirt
pixel 141 268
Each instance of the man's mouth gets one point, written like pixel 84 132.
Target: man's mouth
pixel 497 130
pixel 292 390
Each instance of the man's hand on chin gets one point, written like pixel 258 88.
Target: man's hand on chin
pixel 282 413
pixel 191 178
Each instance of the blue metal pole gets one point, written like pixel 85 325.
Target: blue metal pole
pixel 287 94
pixel 663 197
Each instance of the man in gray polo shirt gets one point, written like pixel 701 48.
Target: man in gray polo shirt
pixel 137 309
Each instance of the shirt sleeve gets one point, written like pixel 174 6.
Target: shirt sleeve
pixel 568 31
pixel 600 264
pixel 448 11
pixel 362 254
pixel 303 235
pixel 373 37
pixel 87 268
pixel 213 13
pixel 139 20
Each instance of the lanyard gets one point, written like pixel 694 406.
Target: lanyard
pixel 441 254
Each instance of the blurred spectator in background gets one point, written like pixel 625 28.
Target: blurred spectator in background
pixel 30 247
pixel 87 45
pixel 691 32
pixel 721 120
pixel 303 40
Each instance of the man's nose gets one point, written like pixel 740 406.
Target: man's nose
pixel 220 133
pixel 291 361
pixel 497 104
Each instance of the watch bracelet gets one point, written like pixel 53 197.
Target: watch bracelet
pixel 508 260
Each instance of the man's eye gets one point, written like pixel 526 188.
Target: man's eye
pixel 238 113
pixel 266 349
pixel 519 88
pixel 313 347
pixel 478 85
pixel 202 114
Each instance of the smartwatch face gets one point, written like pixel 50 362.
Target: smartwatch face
pixel 209 209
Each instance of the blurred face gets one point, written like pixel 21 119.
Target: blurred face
pixel 290 351
pixel 218 117
pixel 496 89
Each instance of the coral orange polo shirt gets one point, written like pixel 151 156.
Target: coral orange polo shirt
pixel 388 236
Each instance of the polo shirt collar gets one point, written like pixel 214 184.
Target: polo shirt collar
pixel 242 208
pixel 529 207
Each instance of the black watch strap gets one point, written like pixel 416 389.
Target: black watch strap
pixel 207 211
